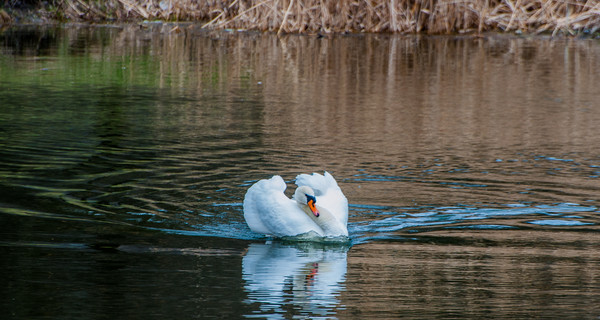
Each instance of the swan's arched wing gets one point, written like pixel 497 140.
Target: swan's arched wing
pixel 267 210
pixel 329 195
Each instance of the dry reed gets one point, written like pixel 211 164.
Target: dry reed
pixel 313 16
pixel 411 16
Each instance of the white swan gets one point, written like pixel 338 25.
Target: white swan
pixel 318 206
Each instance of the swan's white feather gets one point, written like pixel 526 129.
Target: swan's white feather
pixel 329 195
pixel 269 211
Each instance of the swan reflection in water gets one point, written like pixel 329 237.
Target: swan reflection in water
pixel 304 278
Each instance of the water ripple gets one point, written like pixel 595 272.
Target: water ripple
pixel 371 225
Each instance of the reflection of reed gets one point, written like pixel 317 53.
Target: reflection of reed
pixel 505 274
pixel 406 93
pixel 394 93
pixel 398 92
pixel 347 102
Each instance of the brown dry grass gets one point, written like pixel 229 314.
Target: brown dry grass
pixel 412 16
pixel 312 16
pixel 125 10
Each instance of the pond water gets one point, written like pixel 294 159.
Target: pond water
pixel 471 165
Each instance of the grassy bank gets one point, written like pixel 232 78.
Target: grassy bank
pixel 312 16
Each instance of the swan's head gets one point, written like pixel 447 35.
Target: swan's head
pixel 305 195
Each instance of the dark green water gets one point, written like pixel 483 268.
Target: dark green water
pixel 471 166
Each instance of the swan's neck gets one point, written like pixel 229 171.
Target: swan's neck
pixel 327 222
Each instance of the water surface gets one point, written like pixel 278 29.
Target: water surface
pixel 470 164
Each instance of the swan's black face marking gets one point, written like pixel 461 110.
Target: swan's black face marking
pixel 311 201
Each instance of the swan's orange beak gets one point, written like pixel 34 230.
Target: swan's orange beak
pixel 311 205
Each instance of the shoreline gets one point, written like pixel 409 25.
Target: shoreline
pixel 425 17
